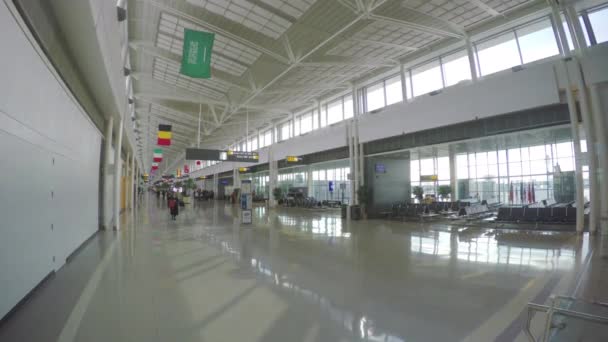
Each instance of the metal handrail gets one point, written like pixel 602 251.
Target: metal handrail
pixel 551 310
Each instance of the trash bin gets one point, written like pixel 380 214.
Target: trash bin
pixel 355 212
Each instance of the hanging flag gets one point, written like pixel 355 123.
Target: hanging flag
pixel 196 55
pixel 154 166
pixel 511 192
pixel 533 193
pixel 198 163
pixel 530 193
pixel 522 194
pixel 158 155
pixel 186 169
pixel 164 135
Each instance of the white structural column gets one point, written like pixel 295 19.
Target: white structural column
pixel 355 161
pixel 117 175
pixel 127 179
pixel 309 183
pixel 557 21
pixel 216 186
pixel 402 72
pixel 576 30
pixel 591 150
pixel 319 113
pixel 452 158
pixel 351 165
pixel 236 178
pixel 599 116
pixel 272 177
pixel 106 208
pixel 580 216
pixel 133 188
pixel 471 54
pixel 572 108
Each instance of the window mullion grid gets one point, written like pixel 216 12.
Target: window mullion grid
pixel 384 92
pixel 560 46
pixel 589 28
pixel 477 60
pixel 411 83
pixel 442 73
pixel 521 58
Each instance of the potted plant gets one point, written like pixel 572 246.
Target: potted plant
pixel 363 194
pixel 188 185
pixel 418 192
pixel 444 192
pixel 277 194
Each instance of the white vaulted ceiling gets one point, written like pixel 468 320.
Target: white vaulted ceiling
pixel 274 57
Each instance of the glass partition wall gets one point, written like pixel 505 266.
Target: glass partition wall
pixel 515 169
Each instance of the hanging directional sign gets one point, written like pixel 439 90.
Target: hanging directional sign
pixel 219 155
pixel 242 156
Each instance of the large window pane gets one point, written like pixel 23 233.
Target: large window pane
pixel 296 129
pixel 599 23
pixel 408 85
pixel 537 41
pixel 498 54
pixel 306 123
pixel 334 112
pixel 375 96
pixel 315 119
pixel 323 115
pixel 348 107
pixel 456 68
pixel 285 131
pixel 427 78
pixel 569 36
pixel 394 93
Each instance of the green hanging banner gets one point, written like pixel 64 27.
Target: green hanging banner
pixel 196 58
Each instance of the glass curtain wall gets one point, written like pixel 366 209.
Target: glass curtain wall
pixel 509 175
pixel 335 172
pixel 421 168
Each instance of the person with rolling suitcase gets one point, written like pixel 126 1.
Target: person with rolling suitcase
pixel 173 207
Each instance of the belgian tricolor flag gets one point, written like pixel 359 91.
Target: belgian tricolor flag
pixel 164 135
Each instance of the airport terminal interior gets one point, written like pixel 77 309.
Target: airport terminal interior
pixel 303 170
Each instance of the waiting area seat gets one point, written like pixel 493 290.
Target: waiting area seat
pixel 558 213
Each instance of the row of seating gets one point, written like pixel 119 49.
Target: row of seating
pixel 417 209
pixel 545 215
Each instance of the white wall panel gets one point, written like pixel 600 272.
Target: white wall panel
pixel 500 94
pixel 50 153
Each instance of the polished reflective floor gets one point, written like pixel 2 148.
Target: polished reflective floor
pixel 302 275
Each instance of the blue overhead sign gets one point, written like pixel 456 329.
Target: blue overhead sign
pixel 331 186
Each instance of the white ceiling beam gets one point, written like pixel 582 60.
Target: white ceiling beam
pixel 288 49
pixel 216 29
pixel 311 52
pixel 305 89
pixel 487 8
pixel 350 6
pixel 148 48
pixel 212 109
pixel 417 27
pixel 453 26
pixel 378 43
pixel 370 63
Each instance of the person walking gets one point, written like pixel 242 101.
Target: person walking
pixel 173 207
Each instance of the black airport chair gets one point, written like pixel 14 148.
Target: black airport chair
pixel 530 214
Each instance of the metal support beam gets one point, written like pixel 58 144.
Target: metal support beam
pixel 216 29
pixel 417 27
pixel 487 8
